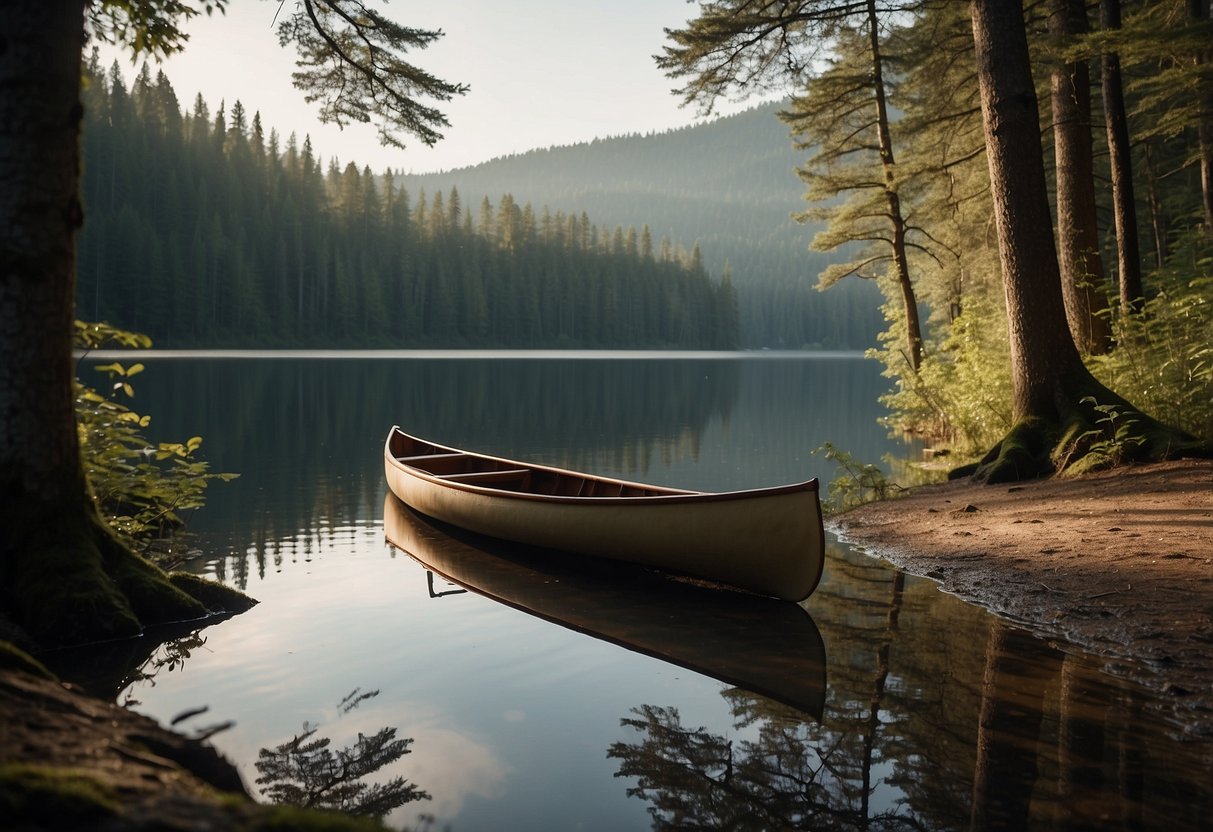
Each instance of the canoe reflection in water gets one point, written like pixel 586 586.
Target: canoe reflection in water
pixel 764 645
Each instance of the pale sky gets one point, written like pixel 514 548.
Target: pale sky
pixel 542 72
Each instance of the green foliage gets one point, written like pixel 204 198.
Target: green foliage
pixel 1116 435
pixel 1161 362
pixel 350 60
pixel 144 490
pixel 855 483
pixel 961 395
pixel 1165 360
pixel 154 27
pixel 305 772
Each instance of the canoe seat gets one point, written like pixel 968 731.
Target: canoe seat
pixel 509 475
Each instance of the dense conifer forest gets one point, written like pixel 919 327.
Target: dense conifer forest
pixel 731 185
pixel 206 228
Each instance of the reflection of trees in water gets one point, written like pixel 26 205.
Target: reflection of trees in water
pixel 792 776
pixel 171 655
pixel 106 669
pixel 938 717
pixel 306 772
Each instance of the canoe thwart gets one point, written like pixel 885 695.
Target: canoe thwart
pixel 497 477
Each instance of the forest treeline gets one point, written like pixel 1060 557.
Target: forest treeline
pixel 729 183
pixel 1055 288
pixel 205 230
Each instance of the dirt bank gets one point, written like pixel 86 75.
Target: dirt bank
pixel 71 761
pixel 1120 563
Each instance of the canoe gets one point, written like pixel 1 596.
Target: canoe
pixel 769 541
pixel 762 645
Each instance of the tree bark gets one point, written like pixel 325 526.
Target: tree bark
pixel 1158 218
pixel 1082 273
pixel 1201 10
pixel 1043 356
pixel 1124 204
pixel 40 114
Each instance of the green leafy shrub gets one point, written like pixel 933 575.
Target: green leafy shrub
pixel 1111 442
pixel 855 482
pixel 145 490
pixel 1163 362
pixel 961 395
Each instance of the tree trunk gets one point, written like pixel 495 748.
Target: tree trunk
pixel 1082 273
pixel 63 576
pixel 1124 205
pixel 40 113
pixel 1200 10
pixel 887 162
pixel 1043 355
pixel 1158 218
pixel 1055 398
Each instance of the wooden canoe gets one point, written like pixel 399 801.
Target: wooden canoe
pixel 769 541
pixel 763 645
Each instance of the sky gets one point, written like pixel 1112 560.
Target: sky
pixel 541 72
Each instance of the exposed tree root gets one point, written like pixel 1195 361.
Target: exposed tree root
pixel 66 579
pixel 1089 435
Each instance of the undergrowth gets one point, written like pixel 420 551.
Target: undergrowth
pixel 855 482
pixel 145 490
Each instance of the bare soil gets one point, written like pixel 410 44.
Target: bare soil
pixel 1119 563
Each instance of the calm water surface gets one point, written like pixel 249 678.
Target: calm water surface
pixel 928 714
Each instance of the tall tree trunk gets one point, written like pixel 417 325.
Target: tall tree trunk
pixel 1158 217
pixel 1200 10
pixel 887 162
pixel 1124 205
pixel 1054 396
pixel 63 576
pixel 1082 273
pixel 1043 356
pixel 40 114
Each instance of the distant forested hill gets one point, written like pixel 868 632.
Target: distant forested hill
pixel 729 184
pixel 206 230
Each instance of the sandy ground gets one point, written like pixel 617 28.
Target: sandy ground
pixel 1119 563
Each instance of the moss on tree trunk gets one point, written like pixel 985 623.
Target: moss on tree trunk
pixel 1098 430
pixel 68 580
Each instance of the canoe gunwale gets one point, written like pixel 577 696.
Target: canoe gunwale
pixel 669 495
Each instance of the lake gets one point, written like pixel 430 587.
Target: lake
pixel 907 709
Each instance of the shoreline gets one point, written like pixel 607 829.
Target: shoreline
pixel 1117 563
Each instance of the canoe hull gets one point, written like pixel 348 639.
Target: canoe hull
pixel 768 541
